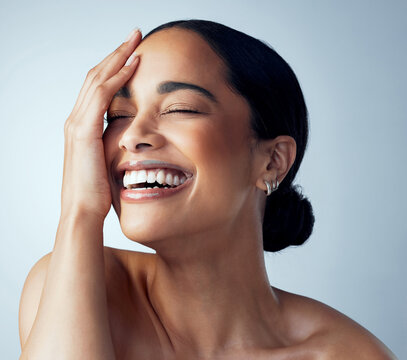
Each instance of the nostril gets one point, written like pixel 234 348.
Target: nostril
pixel 141 145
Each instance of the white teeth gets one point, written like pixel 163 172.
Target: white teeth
pixel 168 179
pixel 133 178
pixel 151 176
pixel 125 177
pixel 161 177
pixel 141 176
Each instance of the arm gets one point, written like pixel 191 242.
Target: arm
pixel 72 319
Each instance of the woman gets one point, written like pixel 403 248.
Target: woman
pixel 207 128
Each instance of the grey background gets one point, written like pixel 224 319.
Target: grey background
pixel 350 57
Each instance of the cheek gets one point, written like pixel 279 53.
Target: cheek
pixel 212 142
pixel 223 150
pixel 222 159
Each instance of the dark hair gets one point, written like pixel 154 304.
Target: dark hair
pixel 266 81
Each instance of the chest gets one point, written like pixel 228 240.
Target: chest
pixel 137 332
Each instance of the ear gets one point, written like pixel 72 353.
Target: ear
pixel 276 158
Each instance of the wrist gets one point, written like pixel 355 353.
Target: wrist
pixel 79 227
pixel 78 215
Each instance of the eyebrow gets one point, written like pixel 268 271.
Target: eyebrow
pixel 171 86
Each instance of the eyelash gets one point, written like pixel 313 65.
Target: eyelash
pixel 109 119
pixel 190 111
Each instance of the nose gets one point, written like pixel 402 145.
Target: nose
pixel 141 135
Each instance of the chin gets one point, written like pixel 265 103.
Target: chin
pixel 148 230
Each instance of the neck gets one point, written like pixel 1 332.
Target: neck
pixel 212 299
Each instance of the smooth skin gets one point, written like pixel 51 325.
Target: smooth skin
pixel 205 294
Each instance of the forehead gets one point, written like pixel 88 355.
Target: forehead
pixel 181 55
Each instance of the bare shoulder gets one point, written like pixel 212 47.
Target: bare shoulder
pixel 327 332
pixel 30 296
pixel 116 261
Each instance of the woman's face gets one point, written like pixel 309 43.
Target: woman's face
pixel 212 142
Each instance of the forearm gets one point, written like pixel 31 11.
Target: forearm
pixel 72 318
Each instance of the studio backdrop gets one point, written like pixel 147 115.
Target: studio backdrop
pixel 350 58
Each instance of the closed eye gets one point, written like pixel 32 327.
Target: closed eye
pixel 110 118
pixel 180 111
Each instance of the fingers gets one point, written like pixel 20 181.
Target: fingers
pixel 102 82
pixel 103 93
pixel 108 66
pixel 115 61
pixel 87 124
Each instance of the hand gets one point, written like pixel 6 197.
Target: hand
pixel 85 185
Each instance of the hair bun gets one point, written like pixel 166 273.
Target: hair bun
pixel 288 219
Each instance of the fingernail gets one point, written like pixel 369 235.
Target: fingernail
pixel 131 59
pixel 132 34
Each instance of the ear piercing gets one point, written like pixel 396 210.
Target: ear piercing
pixel 269 188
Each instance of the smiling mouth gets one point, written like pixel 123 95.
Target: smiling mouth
pixel 153 184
